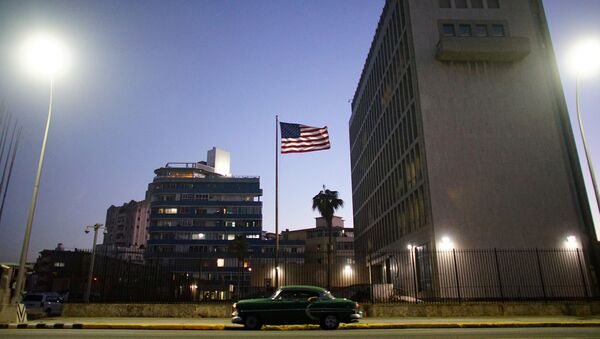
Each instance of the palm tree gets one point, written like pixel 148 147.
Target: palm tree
pixel 239 248
pixel 326 202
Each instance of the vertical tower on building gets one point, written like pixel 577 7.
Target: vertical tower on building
pixel 459 133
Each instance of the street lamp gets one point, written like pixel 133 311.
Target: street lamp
pixel 46 57
pixel 96 227
pixel 585 60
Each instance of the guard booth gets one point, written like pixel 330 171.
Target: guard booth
pixel 10 313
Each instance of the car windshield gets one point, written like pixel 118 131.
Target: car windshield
pixel 276 293
pixel 33 297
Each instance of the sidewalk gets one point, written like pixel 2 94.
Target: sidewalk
pixel 365 323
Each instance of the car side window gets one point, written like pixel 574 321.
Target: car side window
pixel 287 295
pixel 305 295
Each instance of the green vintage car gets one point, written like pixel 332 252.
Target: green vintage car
pixel 296 305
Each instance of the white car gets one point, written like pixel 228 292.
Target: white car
pixel 43 303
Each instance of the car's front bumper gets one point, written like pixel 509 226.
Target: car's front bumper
pixel 237 320
pixel 355 317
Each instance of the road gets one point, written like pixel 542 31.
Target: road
pixel 546 332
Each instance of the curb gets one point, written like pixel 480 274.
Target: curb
pixel 221 327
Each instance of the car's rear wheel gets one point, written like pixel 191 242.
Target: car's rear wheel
pixel 251 322
pixel 330 322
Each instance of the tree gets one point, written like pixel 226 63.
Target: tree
pixel 326 202
pixel 239 248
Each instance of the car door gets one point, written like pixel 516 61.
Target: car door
pixel 306 301
pixel 281 310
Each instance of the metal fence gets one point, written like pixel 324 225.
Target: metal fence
pixel 415 276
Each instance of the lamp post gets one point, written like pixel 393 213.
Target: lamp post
pixel 585 59
pixel 88 289
pixel 46 57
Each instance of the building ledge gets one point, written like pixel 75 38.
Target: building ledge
pixel 500 49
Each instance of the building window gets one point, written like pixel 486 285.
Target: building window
pixel 198 236
pixel 476 3
pixel 230 236
pixel 448 30
pixel 167 211
pixel 493 3
pixel 498 30
pixel 481 30
pixel 444 3
pixel 220 262
pixel 464 30
pixel 460 3
pixel 59 264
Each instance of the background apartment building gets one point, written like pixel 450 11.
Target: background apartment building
pixel 127 225
pixel 460 137
pixel 197 211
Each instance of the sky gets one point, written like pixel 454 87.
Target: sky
pixel 153 82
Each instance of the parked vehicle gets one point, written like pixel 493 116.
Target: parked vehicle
pixel 296 305
pixel 43 303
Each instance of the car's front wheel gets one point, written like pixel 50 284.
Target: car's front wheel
pixel 330 322
pixel 251 322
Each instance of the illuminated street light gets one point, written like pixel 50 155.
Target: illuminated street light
pixel 571 242
pixel 47 57
pixel 446 244
pixel 585 60
pixel 585 57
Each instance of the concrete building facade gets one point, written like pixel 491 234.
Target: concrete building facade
pixel 127 225
pixel 459 133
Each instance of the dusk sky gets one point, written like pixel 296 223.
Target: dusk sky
pixel 164 81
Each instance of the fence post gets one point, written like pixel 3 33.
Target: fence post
pixel 370 281
pixel 582 274
pixel 498 273
pixel 413 256
pixel 456 275
pixel 537 254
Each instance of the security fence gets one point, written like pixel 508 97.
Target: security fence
pixel 414 276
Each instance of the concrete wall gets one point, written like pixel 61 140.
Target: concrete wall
pixel 223 310
pixel 208 310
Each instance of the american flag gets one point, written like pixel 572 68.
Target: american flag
pixel 296 138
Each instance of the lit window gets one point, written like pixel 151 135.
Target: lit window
pixel 167 211
pixel 481 30
pixel 198 236
pixel 59 264
pixel 230 236
pixel 498 30
pixel 220 262
pixel 448 30
pixel 464 30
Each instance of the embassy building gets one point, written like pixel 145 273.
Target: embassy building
pixel 460 136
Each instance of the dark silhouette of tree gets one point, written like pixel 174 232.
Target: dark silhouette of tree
pixel 326 202
pixel 239 248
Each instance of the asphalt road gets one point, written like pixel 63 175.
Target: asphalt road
pixel 547 332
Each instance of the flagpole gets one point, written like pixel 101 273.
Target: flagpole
pixel 276 201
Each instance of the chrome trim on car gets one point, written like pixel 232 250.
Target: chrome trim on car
pixel 237 320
